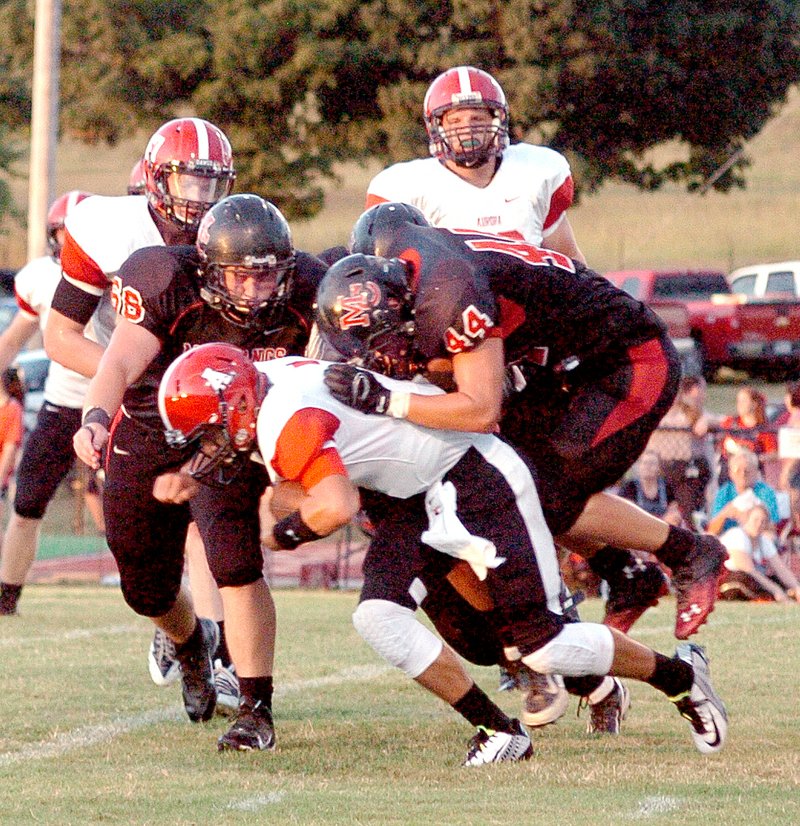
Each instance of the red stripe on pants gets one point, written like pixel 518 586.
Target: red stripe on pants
pixel 650 368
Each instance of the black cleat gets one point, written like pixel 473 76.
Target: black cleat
pixel 636 589
pixel 197 674
pixel 252 730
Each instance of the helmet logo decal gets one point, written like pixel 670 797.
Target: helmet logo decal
pixel 216 379
pixel 203 232
pixel 356 306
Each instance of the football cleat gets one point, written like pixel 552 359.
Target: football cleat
pixel 197 674
pixel 227 685
pixel 545 699
pixel 606 715
pixel 489 746
pixel 636 589
pixel 508 680
pixel 701 705
pixel 252 730
pixel 161 660
pixel 696 584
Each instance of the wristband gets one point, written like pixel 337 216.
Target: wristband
pixel 398 404
pixel 291 531
pixel 96 415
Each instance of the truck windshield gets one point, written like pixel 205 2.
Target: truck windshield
pixel 690 286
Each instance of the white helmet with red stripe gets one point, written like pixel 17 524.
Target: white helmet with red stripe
pixel 465 87
pixel 56 216
pixel 188 167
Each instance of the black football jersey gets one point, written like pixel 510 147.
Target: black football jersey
pixel 547 307
pixel 160 290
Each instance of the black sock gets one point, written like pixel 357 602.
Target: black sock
pixel 674 551
pixel 9 595
pixel 256 689
pixel 222 652
pixel 194 643
pixel 479 710
pixel 671 675
pixel 608 562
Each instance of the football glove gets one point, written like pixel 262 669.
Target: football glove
pixel 357 388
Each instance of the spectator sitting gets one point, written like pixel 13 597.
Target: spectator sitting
pixel 650 489
pixel 686 450
pixel 735 496
pixel 750 429
pixel 755 568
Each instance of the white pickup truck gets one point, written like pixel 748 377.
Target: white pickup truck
pixel 776 281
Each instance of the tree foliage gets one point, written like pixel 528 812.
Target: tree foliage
pixel 300 86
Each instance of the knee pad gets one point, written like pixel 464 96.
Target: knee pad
pixel 580 648
pixel 396 635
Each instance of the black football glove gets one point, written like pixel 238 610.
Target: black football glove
pixel 357 388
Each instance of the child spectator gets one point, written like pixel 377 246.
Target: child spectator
pixel 755 569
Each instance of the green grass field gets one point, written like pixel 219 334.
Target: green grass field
pixel 88 739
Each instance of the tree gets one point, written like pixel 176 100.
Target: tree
pixel 300 85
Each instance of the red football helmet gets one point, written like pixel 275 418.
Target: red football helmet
pixel 211 395
pixel 465 87
pixel 188 167
pixel 136 182
pixel 56 216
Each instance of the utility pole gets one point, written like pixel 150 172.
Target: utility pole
pixel 44 121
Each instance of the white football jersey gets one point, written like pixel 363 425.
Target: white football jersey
pixel 34 286
pixel 380 453
pixel 526 198
pixel 107 229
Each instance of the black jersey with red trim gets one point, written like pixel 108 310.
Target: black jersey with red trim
pixel 549 308
pixel 160 290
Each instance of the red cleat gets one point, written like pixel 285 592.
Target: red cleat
pixel 696 584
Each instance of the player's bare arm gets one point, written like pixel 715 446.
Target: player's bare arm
pixel 129 352
pixel 65 343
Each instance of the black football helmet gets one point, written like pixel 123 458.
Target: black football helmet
pixel 247 259
pixel 365 311
pixel 375 229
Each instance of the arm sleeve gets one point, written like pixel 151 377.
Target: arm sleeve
pixel 304 451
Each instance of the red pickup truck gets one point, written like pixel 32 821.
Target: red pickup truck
pixel 761 336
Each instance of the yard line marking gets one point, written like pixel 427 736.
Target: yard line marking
pixel 75 634
pixel 84 736
pixel 253 804
pixel 657 805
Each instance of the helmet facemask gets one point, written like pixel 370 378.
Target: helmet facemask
pixel 468 145
pixel 249 293
pixel 184 192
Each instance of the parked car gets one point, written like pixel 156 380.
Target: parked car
pixel 34 365
pixel 776 281
pixel 761 336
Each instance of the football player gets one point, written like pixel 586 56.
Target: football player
pixel 475 179
pixel 593 373
pixel 241 282
pixel 187 166
pixel 482 507
pixel 47 456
